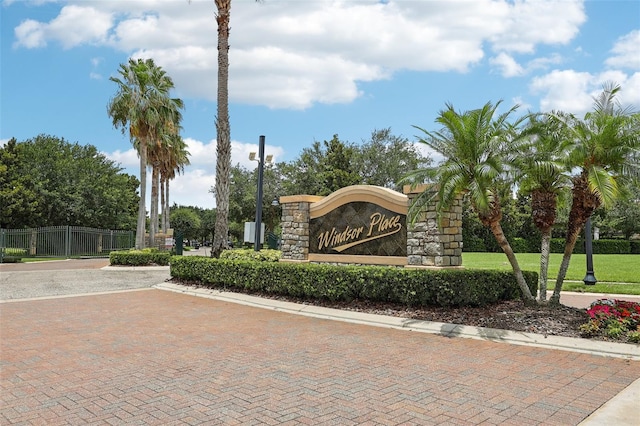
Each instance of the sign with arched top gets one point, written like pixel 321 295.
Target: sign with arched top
pixel 364 224
pixel 359 220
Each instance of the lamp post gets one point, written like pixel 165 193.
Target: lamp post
pixel 260 159
pixel 589 278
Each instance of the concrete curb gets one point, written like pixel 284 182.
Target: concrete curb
pixel 622 409
pixel 135 268
pixel 608 349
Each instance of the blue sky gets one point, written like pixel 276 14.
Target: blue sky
pixel 303 71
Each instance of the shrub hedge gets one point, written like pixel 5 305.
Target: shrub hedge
pixel 599 246
pixel 412 287
pixel 523 245
pixel 264 255
pixel 12 254
pixel 145 257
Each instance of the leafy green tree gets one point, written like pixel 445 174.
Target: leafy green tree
pixel 623 218
pixel 207 224
pixel 385 159
pixel 475 146
pixel 300 176
pixel 18 200
pixel 186 221
pixel 68 184
pixel 242 200
pixel 604 150
pixel 321 169
pixel 337 168
pixel 142 106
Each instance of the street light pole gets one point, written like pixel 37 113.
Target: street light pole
pixel 590 278
pixel 258 234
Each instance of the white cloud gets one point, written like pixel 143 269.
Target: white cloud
pixel 573 92
pixel 295 54
pixel 530 23
pixel 30 34
pixel 75 25
pixel 508 66
pixel 626 52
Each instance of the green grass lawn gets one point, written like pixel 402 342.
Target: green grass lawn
pixel 41 259
pixel 616 273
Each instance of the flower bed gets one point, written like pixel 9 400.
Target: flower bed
pixel 615 319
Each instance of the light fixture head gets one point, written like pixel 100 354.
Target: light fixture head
pixel 269 158
pixel 252 156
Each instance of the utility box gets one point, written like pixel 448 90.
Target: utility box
pixel 250 232
pixel 179 243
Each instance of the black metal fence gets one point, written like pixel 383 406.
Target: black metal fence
pixel 64 241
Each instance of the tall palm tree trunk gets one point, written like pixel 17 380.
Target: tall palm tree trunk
pixel 223 147
pixel 498 233
pixel 163 222
pixel 142 207
pixel 153 226
pixel 545 246
pixel 167 213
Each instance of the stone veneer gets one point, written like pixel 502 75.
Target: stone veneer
pixel 295 226
pixel 428 245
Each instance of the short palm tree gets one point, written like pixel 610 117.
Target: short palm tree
pixel 139 106
pixel 474 146
pixel 605 144
pixel 541 171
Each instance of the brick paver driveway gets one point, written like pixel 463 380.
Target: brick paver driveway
pixel 155 357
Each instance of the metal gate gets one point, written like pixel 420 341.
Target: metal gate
pixel 64 241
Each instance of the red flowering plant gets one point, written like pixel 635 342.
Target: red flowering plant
pixel 616 319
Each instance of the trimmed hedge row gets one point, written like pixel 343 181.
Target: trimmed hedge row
pixel 264 255
pixel 411 287
pixel 599 246
pixel 139 258
pixel 12 254
pixel 522 245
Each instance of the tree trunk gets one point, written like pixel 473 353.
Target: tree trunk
pixel 498 233
pixel 153 226
pixel 223 148
pixel 583 204
pixel 544 264
pixel 163 222
pixel 569 245
pixel 167 224
pixel 142 207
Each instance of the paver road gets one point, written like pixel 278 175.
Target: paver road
pixel 156 357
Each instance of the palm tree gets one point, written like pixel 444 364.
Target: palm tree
pixel 604 146
pixel 473 145
pixel 139 105
pixel 542 172
pixel 157 156
pixel 223 131
pixel 174 161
